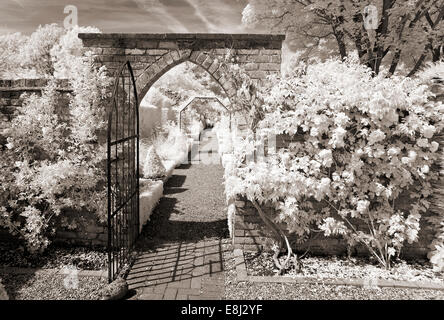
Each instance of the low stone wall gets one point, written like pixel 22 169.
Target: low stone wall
pixel 88 231
pixel 12 96
pixel 251 234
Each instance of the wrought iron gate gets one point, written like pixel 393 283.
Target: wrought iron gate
pixel 123 171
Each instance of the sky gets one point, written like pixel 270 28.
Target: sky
pixel 144 16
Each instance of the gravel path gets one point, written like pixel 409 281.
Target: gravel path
pixel 193 206
pixel 181 247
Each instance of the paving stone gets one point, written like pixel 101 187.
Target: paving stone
pixel 160 288
pixel 196 282
pixel 196 298
pixel 189 291
pixel 170 294
pixel 180 284
pixel 150 296
pixel 149 290
pixel 196 276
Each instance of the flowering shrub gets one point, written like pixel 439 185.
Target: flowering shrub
pixel 68 50
pixel 52 164
pixel 10 48
pixel 433 75
pixel 365 143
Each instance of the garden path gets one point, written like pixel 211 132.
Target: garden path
pixel 181 248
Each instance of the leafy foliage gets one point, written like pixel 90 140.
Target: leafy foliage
pixel 29 57
pixel 52 163
pixel 171 144
pixel 365 143
pixel 407 33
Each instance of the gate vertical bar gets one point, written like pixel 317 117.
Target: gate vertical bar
pixel 123 182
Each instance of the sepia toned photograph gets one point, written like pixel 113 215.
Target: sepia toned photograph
pixel 238 151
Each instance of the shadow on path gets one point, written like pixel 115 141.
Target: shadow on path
pixel 181 247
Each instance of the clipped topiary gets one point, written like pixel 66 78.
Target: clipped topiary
pixel 153 167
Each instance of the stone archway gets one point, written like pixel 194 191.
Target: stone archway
pixel 152 55
pixel 197 232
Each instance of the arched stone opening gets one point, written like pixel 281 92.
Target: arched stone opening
pixel 173 58
pixel 152 55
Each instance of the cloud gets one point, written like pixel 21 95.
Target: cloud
pixel 19 2
pixel 218 15
pixel 199 13
pixel 155 7
pixel 147 16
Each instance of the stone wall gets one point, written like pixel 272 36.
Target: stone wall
pixel 250 234
pixel 12 95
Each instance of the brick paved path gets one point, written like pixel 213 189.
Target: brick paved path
pixel 181 248
pixel 182 271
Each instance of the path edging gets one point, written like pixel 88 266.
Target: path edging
pixel 242 275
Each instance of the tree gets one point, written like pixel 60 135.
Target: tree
pixel 407 32
pixel 10 45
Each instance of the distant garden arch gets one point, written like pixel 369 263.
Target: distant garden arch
pixel 192 99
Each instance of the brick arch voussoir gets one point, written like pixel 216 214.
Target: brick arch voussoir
pixel 175 57
pixel 216 70
pixel 158 68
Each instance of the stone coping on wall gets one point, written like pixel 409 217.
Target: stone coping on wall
pixel 179 36
pixel 176 41
pixel 242 275
pixel 32 84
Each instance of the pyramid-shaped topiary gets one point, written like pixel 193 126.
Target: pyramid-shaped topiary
pixel 152 167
